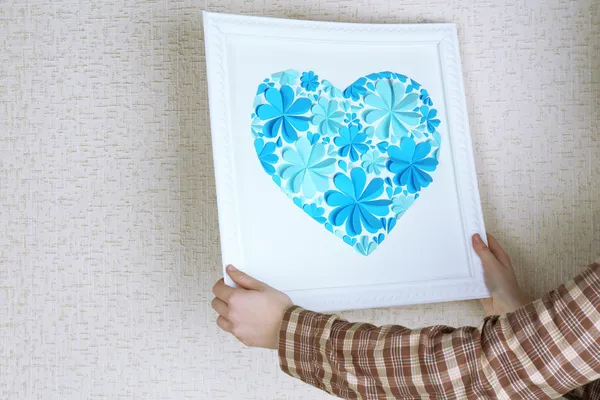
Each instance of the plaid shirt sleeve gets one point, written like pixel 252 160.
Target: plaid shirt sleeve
pixel 548 348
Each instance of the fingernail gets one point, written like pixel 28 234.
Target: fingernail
pixel 231 268
pixel 477 238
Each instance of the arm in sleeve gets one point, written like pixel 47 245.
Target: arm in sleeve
pixel 541 351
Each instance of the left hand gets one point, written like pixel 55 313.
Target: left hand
pixel 253 312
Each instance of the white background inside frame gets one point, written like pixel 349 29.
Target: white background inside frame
pixel 282 245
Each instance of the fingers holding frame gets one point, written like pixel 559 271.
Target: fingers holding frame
pixel 222 291
pixel 220 307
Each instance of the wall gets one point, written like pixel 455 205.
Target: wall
pixel 108 226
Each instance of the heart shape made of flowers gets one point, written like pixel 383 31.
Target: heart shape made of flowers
pixel 354 160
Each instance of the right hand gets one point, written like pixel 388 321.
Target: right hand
pixel 500 279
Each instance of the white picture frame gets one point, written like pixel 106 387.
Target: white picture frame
pixel 427 259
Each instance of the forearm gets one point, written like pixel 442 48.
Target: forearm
pixel 547 348
pixel 348 359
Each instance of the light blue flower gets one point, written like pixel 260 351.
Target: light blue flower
pixel 265 155
pixel 351 142
pixel 309 81
pixel 429 117
pixel 306 169
pixel 315 212
pixel 401 204
pixel 356 90
pixel 409 163
pixel 392 108
pixel 331 90
pixel 419 131
pixel 373 163
pixel 365 246
pixel 283 113
pixel 256 127
pixel 287 77
pixel 355 205
pixel 326 116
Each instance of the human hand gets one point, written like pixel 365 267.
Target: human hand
pixel 253 312
pixel 500 279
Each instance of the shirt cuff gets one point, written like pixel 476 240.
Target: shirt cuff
pixel 301 336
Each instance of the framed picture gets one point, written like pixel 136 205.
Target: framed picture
pixel 343 160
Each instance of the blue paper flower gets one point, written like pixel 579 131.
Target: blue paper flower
pixel 313 137
pixel 392 108
pixel 306 169
pixel 355 205
pixel 356 90
pixel 287 77
pixel 413 86
pixel 401 204
pixel 265 155
pixel 327 117
pixel 263 87
pixel 409 163
pixel 283 113
pixel 429 117
pixel 256 127
pixel 388 225
pixel 315 212
pixel 425 98
pixel 365 246
pixel 351 142
pixel 331 90
pixel 353 119
pixel 309 81
pixel 373 163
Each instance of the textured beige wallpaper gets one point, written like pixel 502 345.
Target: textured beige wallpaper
pixel 108 226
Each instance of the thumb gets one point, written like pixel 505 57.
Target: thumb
pixel 244 280
pixel 487 257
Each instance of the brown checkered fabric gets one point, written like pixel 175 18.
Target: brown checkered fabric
pixel 546 349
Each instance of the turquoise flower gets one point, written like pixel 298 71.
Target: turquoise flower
pixel 350 142
pixel 373 163
pixel 306 170
pixel 355 205
pixel 327 117
pixel 365 246
pixel 256 127
pixel 392 108
pixel 315 212
pixel 401 204
pixel 265 155
pixel 287 77
pixel 409 163
pixel 419 131
pixel 309 81
pixel 331 90
pixel 283 113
